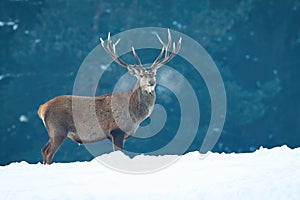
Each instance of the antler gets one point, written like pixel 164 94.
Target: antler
pixel 110 48
pixel 168 56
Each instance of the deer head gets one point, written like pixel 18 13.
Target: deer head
pixel 146 76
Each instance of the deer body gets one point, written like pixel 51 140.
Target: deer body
pixel 113 116
pixel 140 107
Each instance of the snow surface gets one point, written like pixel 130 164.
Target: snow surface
pixel 264 174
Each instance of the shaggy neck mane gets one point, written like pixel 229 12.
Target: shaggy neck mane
pixel 141 103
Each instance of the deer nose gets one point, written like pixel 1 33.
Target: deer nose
pixel 151 82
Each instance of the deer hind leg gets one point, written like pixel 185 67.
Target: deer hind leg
pixel 45 151
pixel 117 139
pixel 50 148
pixel 57 137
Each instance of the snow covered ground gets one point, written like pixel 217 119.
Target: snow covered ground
pixel 264 174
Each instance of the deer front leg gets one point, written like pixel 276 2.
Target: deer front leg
pixel 117 139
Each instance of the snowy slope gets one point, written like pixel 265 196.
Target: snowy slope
pixel 264 174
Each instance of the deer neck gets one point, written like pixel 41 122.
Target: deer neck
pixel 142 101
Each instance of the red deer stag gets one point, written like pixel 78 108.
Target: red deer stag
pixel 118 114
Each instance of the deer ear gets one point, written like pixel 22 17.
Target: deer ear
pixel 134 70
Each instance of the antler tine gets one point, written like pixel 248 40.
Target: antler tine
pixel 158 57
pixel 169 43
pixel 117 42
pixel 108 38
pixel 136 57
pixel 166 47
pixel 178 45
pixel 174 51
pixel 110 49
pixel 160 40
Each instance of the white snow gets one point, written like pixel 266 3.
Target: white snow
pixel 15 27
pixel 10 23
pixel 264 174
pixel 23 119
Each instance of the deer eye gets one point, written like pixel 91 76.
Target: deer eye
pixel 141 75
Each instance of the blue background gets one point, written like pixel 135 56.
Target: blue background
pixel 255 44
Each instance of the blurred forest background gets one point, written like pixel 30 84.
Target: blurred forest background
pixel 255 44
